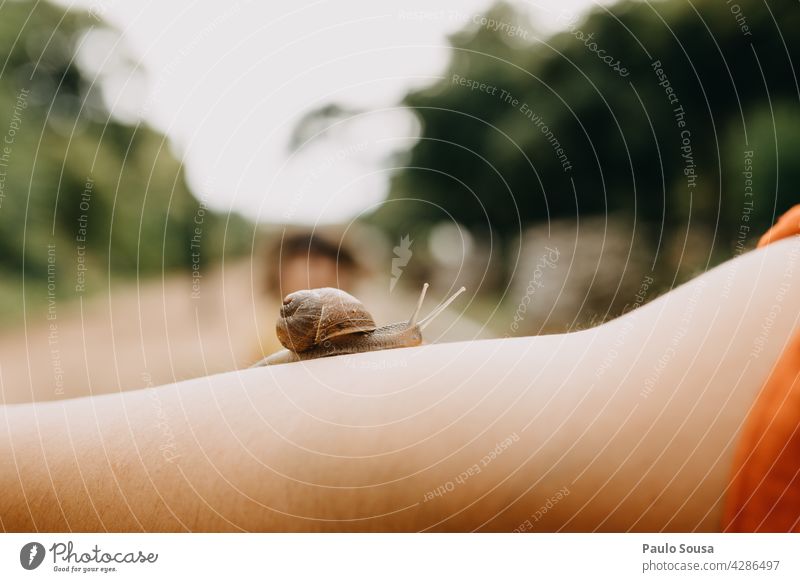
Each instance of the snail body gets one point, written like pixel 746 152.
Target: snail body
pixel 317 323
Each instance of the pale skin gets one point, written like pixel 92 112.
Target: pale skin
pixel 633 423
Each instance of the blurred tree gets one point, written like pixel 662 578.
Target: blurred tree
pixel 582 123
pixel 78 186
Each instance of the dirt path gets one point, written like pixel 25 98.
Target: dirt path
pixel 158 332
pixel 132 337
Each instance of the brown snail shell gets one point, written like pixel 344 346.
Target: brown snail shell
pixel 311 317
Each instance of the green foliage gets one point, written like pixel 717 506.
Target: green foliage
pixel 481 159
pixel 105 195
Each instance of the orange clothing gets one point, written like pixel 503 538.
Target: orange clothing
pixel 788 225
pixel 765 488
pixel 764 494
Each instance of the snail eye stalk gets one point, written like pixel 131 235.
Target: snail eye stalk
pixel 413 319
pixel 433 314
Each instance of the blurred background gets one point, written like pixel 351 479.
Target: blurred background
pixel 168 173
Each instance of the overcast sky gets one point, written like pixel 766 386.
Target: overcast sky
pixel 228 81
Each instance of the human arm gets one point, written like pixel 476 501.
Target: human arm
pixel 636 419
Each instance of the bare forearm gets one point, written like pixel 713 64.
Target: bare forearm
pixel 631 423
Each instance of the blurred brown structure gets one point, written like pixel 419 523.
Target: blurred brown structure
pixel 308 260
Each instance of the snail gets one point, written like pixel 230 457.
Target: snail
pixel 316 323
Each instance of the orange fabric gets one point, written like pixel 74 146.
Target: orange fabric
pixel 765 489
pixel 764 494
pixel 788 224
